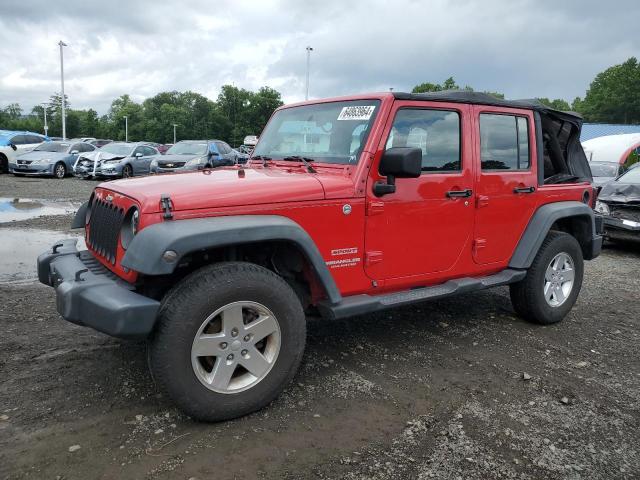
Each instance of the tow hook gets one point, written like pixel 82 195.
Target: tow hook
pixel 165 204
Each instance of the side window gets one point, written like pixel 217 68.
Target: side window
pixel 222 148
pixel 435 132
pixel 149 151
pixel 88 147
pixel 137 151
pixel 77 147
pixel 31 139
pixel 19 140
pixel 504 142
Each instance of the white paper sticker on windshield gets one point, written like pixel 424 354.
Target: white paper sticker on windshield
pixel 357 112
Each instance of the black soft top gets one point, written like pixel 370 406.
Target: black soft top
pixel 479 98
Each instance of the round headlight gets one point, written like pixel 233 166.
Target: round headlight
pixel 129 227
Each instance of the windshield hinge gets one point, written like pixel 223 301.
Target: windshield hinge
pixel 165 204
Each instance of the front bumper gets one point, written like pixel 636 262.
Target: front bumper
pixel 90 295
pixel 618 228
pixel 31 169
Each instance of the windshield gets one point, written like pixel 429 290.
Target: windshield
pixel 117 148
pixel 334 132
pixel 52 147
pixel 187 148
pixel 604 169
pixel 632 176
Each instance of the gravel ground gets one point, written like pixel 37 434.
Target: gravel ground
pixel 458 388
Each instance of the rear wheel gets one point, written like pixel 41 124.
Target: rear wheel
pixel 60 170
pixel 229 338
pixel 553 282
pixel 127 171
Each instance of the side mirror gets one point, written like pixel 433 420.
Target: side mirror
pixel 138 155
pixel 214 154
pixel 74 152
pixel 13 145
pixel 398 162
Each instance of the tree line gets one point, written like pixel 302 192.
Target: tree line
pixel 235 113
pixel 613 97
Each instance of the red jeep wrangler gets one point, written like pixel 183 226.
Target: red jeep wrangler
pixel 347 206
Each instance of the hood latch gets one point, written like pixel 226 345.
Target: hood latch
pixel 165 204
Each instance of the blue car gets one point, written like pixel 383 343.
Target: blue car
pixel 14 143
pixel 50 158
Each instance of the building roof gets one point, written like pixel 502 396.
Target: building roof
pixel 594 130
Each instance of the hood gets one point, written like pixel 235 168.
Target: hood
pixel 221 188
pixel 38 155
pixel 103 155
pixel 620 192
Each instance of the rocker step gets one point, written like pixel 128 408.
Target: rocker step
pixel 360 304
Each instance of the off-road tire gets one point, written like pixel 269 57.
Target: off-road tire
pixel 181 315
pixel 527 296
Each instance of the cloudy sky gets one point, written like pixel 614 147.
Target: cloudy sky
pixel 524 48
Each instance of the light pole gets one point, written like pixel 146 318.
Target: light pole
pixel 126 128
pixel 46 126
pixel 174 133
pixel 309 50
pixel 64 116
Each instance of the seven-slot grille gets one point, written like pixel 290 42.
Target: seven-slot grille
pixel 104 228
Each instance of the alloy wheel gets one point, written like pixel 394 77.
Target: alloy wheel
pixel 558 279
pixel 236 347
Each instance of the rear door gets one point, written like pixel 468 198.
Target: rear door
pixel 426 225
pixel 506 181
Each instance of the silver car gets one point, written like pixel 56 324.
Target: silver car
pixel 49 158
pixel 116 160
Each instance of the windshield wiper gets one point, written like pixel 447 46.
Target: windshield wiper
pixel 305 160
pixel 264 159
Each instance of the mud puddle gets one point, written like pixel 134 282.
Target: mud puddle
pixel 17 209
pixel 19 250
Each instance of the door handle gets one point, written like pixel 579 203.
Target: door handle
pixel 459 193
pixel 524 189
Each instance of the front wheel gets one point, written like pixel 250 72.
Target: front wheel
pixel 60 171
pixel 229 338
pixel 127 171
pixel 553 282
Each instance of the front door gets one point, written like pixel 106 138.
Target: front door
pixel 426 225
pixel 506 181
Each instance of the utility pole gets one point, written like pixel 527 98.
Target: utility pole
pixel 126 128
pixel 174 133
pixel 309 50
pixel 64 115
pixel 46 126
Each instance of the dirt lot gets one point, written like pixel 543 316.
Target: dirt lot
pixel 458 388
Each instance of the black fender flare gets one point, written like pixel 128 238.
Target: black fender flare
pixel 145 252
pixel 542 221
pixel 81 215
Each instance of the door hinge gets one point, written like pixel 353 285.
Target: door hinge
pixel 482 201
pixel 166 206
pixel 375 208
pixel 371 258
pixel 479 243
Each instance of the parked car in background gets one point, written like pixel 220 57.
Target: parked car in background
pixel 619 204
pixel 116 160
pixel 13 143
pixel 87 139
pixel 99 143
pixel 50 158
pixel 241 157
pixel 604 172
pixel 194 155
pixel 158 146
